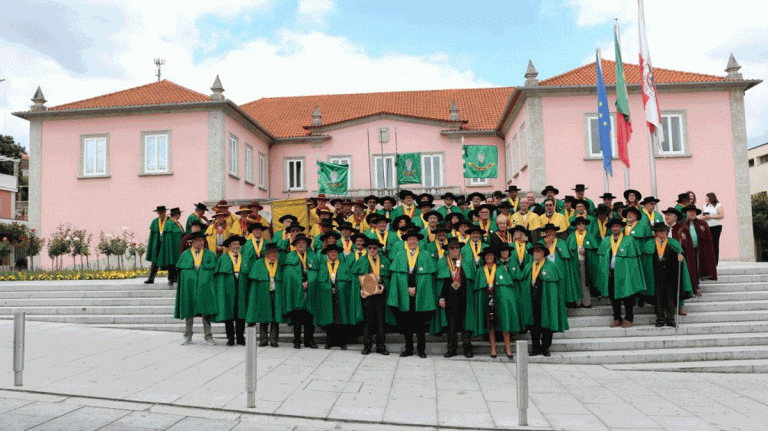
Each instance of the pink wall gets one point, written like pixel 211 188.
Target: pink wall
pixel 124 199
pixel 709 143
pixel 520 177
pixel 238 188
pixel 5 204
pixel 353 142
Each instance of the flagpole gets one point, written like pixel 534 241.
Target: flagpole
pixel 654 122
pixel 370 171
pixel 397 186
pixel 652 163
pixel 383 163
pixel 607 183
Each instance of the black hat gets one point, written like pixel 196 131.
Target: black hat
pixel 288 217
pixel 631 209
pixel 232 239
pixel 335 201
pixel 201 206
pixel 294 226
pixel 579 188
pixel 195 235
pixel 425 203
pixel 330 234
pixel 388 198
pixel 370 217
pixel 464 221
pixel 175 211
pixel 580 219
pixel 549 189
pixel 160 209
pixel 504 204
pixel 448 195
pixel 504 246
pixel 660 226
pixel 541 247
pixel 580 201
pixel 347 226
pixel 404 193
pixel 441 228
pixel 271 246
pixel 414 233
pixel 379 219
pixel 682 197
pixel 513 188
pixel 433 213
pixel 358 235
pixel 461 200
pixel 691 208
pixel 488 250
pixel 649 199
pixel 398 219
pixel 489 207
pixel 325 223
pixel 198 223
pixel 371 197
pixel 332 247
pixel 425 197
pixel 498 194
pixel 614 221
pixel 475 194
pixel 375 242
pixel 568 198
pixel 256 225
pixel 549 226
pixel 474 228
pixel 301 237
pixel 602 209
pixel 607 195
pixel 453 241
pixel 618 205
pixel 520 228
pixel 451 215
pixel 674 211
pixel 628 191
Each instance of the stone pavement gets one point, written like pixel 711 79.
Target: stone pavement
pixel 121 379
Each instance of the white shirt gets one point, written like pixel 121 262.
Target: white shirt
pixel 712 210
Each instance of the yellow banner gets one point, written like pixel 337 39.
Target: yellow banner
pixel 294 207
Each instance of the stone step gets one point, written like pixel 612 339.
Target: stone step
pixel 99 319
pixel 130 284
pixel 732 366
pixel 717 286
pixel 162 310
pixel 656 355
pixel 166 293
pixel 732 268
pixel 31 303
pixel 756 295
pixel 698 317
pixel 658 342
pixel 702 305
pixel 650 330
pixel 742 278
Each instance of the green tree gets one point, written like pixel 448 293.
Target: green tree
pixel 9 148
pixel 760 223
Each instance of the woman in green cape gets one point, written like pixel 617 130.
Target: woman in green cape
pixel 195 292
pixel 336 304
pixel 231 278
pixel 509 263
pixel 547 304
pixel 265 295
pixel 299 276
pixel 413 292
pixel 567 266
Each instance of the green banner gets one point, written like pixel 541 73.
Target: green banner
pixel 481 161
pixel 332 178
pixel 409 168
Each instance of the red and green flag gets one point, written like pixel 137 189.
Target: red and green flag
pixel 623 124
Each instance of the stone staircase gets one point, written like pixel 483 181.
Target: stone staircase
pixel 726 329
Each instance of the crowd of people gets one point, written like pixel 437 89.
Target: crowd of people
pixel 478 266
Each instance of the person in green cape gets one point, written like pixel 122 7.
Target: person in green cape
pixel 485 223
pixel 323 227
pixel 299 276
pixel 494 303
pixel 413 292
pixel 323 241
pixel 374 304
pixel 197 215
pixel 582 210
pixel 471 250
pixel 567 266
pixel 543 301
pixel 516 274
pixel 454 278
pixel 583 245
pixel 650 214
pixel 619 275
pixel 282 237
pixel 433 218
pixel 169 245
pixel 639 231
pixel 382 234
pixel 448 207
pixel 255 246
pixel 420 219
pixel 388 204
pixel 666 274
pixel 195 292
pixel 579 190
pixel 265 291
pixel 359 240
pixel 520 246
pixel 336 305
pixel 154 244
pixel 231 278
pixel 602 215
pixel 437 247
pixel 407 206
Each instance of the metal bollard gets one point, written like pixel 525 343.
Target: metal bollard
pixel 521 350
pixel 250 365
pixel 18 346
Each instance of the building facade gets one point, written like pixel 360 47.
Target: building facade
pixel 115 157
pixel 758 168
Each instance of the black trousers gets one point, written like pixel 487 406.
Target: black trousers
pixel 415 321
pixel 173 274
pixel 335 335
pixel 541 338
pixel 716 231
pixel 373 312
pixel 269 331
pixel 153 272
pixel 629 302
pixel 455 312
pixel 235 328
pixel 299 319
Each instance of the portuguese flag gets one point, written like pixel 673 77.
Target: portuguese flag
pixel 623 124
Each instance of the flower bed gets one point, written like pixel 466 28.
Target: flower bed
pixel 74 275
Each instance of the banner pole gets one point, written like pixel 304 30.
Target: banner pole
pixel 652 141
pixel 383 163
pixel 370 171
pixel 607 183
pixel 397 186
pixel 626 178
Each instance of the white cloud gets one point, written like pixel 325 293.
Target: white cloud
pixel 315 11
pixel 694 36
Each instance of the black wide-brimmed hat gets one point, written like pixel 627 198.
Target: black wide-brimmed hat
pixel 371 198
pixel 569 198
pixel 196 235
pixel 290 217
pixel 346 226
pixel 660 226
pixel 425 197
pixel 513 188
pixel 541 247
pixel 607 196
pixel 404 193
pixel 412 233
pixel 549 226
pixel 497 194
pixel 520 228
pixel 433 213
pixel 301 237
pixel 488 250
pixel 332 234
pixel 234 238
pixel 580 201
pixel 271 246
pixel 674 211
pixel 357 236
pixel 295 226
pixel 198 223
pixel 398 219
pixel 602 209
pixel 474 228
pixel 475 194
pixel 579 188
pixel 160 209
pixel 453 241
pixel 549 189
pixel 489 207
pixel 253 226
pixel 441 228
pixel 375 242
pixel 649 199
pixel 580 219
pixel 631 209
pixel 464 221
pixel 691 208
pixel 332 247
pixel 392 200
pixel 201 206
pixel 425 203
pixel 637 194
pixel 614 221
pixel 175 211
pixel 448 195
pixel 682 197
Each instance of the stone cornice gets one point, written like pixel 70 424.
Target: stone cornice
pixel 636 88
pixel 448 124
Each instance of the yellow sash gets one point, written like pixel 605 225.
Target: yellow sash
pixel 602 228
pixel 347 246
pixel 553 248
pixel 440 251
pixel 375 266
pixel 358 255
pixel 520 247
pixel 303 259
pixel 486 227
pixel 568 213
pixel 258 247
pixel 514 202
pixel 651 217
pixel 197 258
pixel 382 240
pixel 411 260
pixel 628 229
pixel 332 269
pixel 475 252
pixel 409 212
pixel 161 224
pixel 236 262
pixel 271 268
pixel 490 276
pixel 661 248
pixel 535 270
pixel 580 237
pixel 615 244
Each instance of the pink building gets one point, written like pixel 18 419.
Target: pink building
pixel 106 162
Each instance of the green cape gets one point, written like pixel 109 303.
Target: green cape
pixel 590 246
pixel 295 298
pixel 153 243
pixel 349 297
pixel 230 290
pixel 426 288
pixel 249 252
pixel 260 309
pixel 649 253
pixel 169 246
pixel 553 314
pixel 362 267
pixel 628 278
pixel 568 269
pixel 195 290
pixel 192 217
pixel 508 317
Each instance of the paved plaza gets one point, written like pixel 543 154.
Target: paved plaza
pixel 86 378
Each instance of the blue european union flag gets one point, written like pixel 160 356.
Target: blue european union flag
pixel 604 120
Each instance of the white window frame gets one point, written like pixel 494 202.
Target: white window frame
pixel 441 169
pixel 389 175
pixel 96 140
pixel 146 156
pixel 299 180
pixel 478 182
pixel 523 146
pixel 234 155
pixel 346 161
pixel 588 137
pixel 248 164
pixel 262 171
pixel 666 119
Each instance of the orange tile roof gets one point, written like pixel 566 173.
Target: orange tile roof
pixel 587 75
pixel 156 93
pixel 287 116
